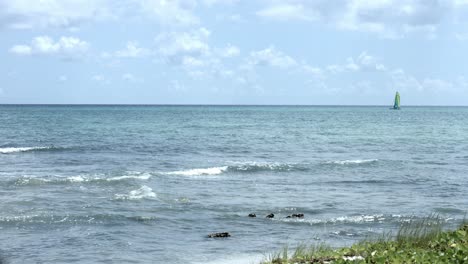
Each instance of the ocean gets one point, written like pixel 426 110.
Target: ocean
pixel 147 184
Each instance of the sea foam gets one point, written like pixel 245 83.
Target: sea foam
pixel 144 192
pixel 199 172
pixel 349 162
pixel 23 149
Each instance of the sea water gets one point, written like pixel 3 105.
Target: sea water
pixel 147 184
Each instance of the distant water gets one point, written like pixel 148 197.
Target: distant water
pixel 147 184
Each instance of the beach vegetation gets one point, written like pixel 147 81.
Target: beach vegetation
pixel 421 241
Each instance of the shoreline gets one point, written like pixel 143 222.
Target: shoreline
pixel 422 242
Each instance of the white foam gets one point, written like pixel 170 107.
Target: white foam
pixel 14 150
pixel 254 165
pixel 199 172
pixel 76 179
pixel 137 177
pixel 144 192
pixel 347 162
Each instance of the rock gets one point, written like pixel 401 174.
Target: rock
pixel 252 215
pixel 295 216
pixel 270 216
pixel 222 234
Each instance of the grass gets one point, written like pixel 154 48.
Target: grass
pixel 421 241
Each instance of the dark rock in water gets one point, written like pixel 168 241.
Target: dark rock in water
pixel 252 215
pixel 270 216
pixel 295 216
pixel 222 234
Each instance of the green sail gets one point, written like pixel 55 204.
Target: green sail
pixel 396 105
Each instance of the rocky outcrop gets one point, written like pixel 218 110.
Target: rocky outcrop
pixel 218 235
pixel 295 216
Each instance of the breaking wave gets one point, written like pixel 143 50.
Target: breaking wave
pixel 199 172
pixel 144 192
pixel 26 149
pixel 246 167
pixel 29 180
pixel 352 162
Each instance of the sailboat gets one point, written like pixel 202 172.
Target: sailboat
pixel 396 104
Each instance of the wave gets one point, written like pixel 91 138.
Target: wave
pixel 265 166
pixel 199 172
pixel 144 192
pixel 241 167
pixel 53 219
pixel 9 150
pixel 351 162
pixel 28 180
pixel 359 219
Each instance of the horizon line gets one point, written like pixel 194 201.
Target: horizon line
pixel 138 104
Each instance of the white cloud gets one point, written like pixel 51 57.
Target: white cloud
pixel 192 61
pixel 405 82
pixel 230 51
pixel 387 18
pixel 26 14
pixel 364 62
pixel 69 46
pixel 21 49
pixel 271 57
pixel 184 43
pixel 314 71
pixel 170 12
pixel 287 12
pixel 132 50
pixel 63 78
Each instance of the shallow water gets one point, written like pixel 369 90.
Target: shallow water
pixel 147 184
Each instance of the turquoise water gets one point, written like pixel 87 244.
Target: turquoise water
pixel 147 184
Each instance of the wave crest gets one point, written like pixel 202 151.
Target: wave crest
pixel 24 149
pixel 29 180
pixel 352 162
pixel 199 172
pixel 247 167
pixel 144 192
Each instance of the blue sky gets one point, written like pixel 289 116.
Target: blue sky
pixel 234 52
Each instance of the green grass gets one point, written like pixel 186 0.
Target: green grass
pixel 416 242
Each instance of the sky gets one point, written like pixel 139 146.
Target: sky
pixel 307 52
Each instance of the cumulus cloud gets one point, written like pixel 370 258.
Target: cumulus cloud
pixel 173 12
pixel 69 46
pixel 21 50
pixel 271 57
pixel 387 18
pixel 363 62
pixel 184 43
pixel 26 14
pixel 230 51
pixel 132 50
pixel 285 11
